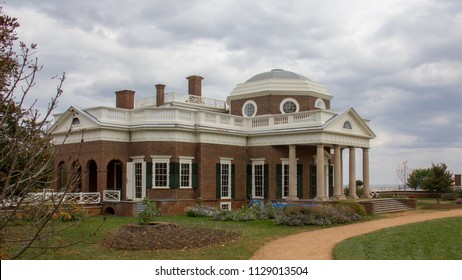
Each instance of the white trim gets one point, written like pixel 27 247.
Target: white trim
pixel 185 160
pixel 138 160
pixel 226 161
pixel 255 163
pixel 281 105
pixel 254 105
pixel 323 104
pixel 156 160
pixel 228 204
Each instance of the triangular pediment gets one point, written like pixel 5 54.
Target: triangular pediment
pixel 349 123
pixel 72 118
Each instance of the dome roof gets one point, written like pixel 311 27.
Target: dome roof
pixel 278 81
pixel 277 74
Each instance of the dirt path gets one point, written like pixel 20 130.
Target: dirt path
pixel 318 244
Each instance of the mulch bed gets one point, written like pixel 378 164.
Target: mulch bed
pixel 162 236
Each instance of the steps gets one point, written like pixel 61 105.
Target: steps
pixel 389 205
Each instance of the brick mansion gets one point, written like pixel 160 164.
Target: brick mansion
pixel 275 138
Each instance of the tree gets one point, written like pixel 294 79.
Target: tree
pixel 417 176
pixel 26 152
pixel 403 173
pixel 439 181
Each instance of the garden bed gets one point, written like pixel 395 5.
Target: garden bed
pixel 164 236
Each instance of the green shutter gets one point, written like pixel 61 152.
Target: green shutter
pixel 249 182
pixel 195 174
pixel 233 181
pixel 218 181
pixel 313 189
pixel 174 175
pixel 266 181
pixel 279 181
pixel 148 175
pixel 300 180
pixel 331 181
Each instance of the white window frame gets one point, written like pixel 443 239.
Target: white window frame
pixel 156 160
pixel 254 105
pixel 281 106
pixel 139 160
pixel 322 106
pixel 188 161
pixel 254 164
pixel 225 206
pixel 228 162
pixel 284 162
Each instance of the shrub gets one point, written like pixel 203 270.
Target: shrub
pixel 355 206
pixel 318 215
pixel 149 213
pixel 450 196
pixel 459 200
pixel 201 211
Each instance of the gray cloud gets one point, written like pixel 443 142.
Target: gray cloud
pixel 398 63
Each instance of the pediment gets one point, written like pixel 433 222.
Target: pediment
pixel 74 119
pixel 350 123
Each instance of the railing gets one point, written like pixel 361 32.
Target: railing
pixel 194 99
pixel 46 195
pixel 197 118
pixel 111 196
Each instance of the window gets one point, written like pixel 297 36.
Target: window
pixel 225 206
pixel 138 179
pixel 347 125
pixel 161 171
pixel 285 179
pixel 225 179
pixel 249 109
pixel 320 104
pixel 75 121
pixel 186 172
pixel 138 185
pixel 289 105
pixel 258 179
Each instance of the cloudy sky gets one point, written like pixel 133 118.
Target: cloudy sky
pixel 398 63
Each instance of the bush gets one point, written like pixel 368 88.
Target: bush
pixel 245 213
pixel 149 213
pixel 317 215
pixel 450 196
pixel 355 206
pixel 201 211
pixel 459 200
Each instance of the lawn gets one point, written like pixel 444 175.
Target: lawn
pixel 431 240
pixel 254 235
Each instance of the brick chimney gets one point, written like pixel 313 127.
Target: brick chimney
pixel 160 95
pixel 125 99
pixel 194 85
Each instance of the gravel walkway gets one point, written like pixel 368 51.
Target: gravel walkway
pixel 318 244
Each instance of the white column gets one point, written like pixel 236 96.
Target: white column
pixel 338 190
pixel 320 174
pixel 366 188
pixel 352 173
pixel 292 173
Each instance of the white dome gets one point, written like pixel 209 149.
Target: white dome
pixel 278 81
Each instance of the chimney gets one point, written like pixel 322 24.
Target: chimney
pixel 194 85
pixel 125 99
pixel 160 95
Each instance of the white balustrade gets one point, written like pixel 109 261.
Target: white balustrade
pixel 111 196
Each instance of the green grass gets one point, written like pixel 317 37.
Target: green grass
pixel 254 235
pixel 431 240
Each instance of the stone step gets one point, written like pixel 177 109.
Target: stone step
pixel 390 205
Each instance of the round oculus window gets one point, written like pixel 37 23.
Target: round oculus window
pixel 289 106
pixel 249 109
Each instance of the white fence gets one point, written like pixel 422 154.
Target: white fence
pixel 85 198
